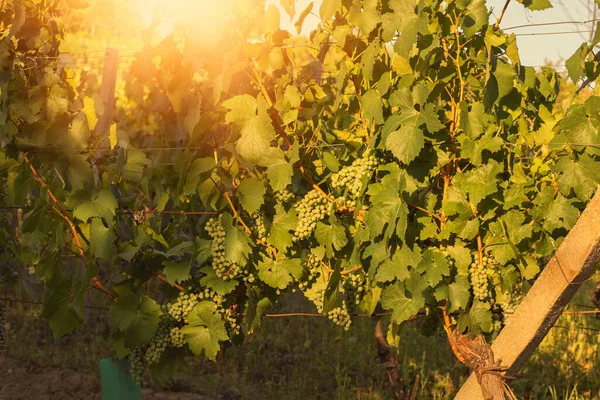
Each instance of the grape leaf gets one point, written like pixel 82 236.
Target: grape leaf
pixel 406 143
pixel 435 266
pixel 396 267
pixel 198 167
pixel 279 232
pixel 216 283
pixel 582 176
pixel 481 316
pixel 331 236
pixel 403 308
pixel 205 330
pixel 59 312
pixel 329 8
pixel 176 271
pixel 237 245
pixel 279 273
pixel 102 240
pixel 84 208
pixel 479 182
pixel 475 18
pixel 536 5
pixel 251 192
pixel 137 317
pixel 372 107
pixel 459 293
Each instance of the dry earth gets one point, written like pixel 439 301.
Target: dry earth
pixel 26 380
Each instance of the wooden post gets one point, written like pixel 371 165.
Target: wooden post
pixel 573 263
pixel 107 92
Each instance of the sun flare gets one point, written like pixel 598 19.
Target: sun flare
pixel 203 20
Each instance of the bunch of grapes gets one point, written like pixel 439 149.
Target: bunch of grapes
pixel 318 300
pixel 480 274
pixel 160 340
pixel 224 268
pixel 136 364
pixel 3 334
pixel 177 337
pixel 340 316
pixel 259 226
pixel 350 180
pixel 249 277
pixel 311 209
pixel 151 353
pixel 211 295
pixel 354 288
pixel 284 196
pixel 184 304
pixel 232 319
pixel 313 267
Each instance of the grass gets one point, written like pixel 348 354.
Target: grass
pixel 308 358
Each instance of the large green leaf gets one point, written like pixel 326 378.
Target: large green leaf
pixel 406 143
pixel 403 308
pixel 137 317
pixel 332 236
pixel 279 273
pixel 102 240
pixel 205 330
pixel 252 194
pixel 104 205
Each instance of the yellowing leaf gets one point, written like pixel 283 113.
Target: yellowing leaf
pixel 113 136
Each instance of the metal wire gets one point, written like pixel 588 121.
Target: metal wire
pixel 552 23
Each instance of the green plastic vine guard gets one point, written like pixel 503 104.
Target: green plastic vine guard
pixel 117 383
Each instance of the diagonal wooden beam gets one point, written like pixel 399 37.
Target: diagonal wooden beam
pixel 573 263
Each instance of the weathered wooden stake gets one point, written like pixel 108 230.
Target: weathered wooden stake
pixel 573 263
pixel 107 91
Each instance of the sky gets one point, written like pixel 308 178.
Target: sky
pixel 534 49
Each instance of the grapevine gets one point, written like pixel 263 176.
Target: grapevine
pixel 428 168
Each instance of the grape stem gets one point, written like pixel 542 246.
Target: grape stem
pixel 246 228
pixel 434 215
pixel 347 271
pixel 497 24
pixel 60 210
pixel 494 240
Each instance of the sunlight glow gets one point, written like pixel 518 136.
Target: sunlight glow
pixel 203 20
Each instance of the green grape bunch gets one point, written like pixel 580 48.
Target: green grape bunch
pixel 224 268
pixel 259 226
pixel 311 209
pixel 480 274
pixel 284 196
pixel 340 316
pixel 151 353
pixel 350 180
pixel 354 288
pixel 184 304
pixel 312 273
pixel 177 337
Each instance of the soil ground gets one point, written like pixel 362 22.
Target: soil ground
pixel 25 380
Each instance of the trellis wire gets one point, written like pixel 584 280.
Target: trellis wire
pixel 299 314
